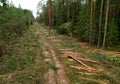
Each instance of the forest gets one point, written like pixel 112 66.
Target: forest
pixel 92 21
pixel 13 22
pixel 67 42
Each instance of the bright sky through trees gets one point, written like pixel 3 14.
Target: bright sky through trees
pixel 27 4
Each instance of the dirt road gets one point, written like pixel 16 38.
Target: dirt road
pixel 89 67
pixel 56 74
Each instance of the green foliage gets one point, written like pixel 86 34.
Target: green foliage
pixel 21 63
pixel 113 59
pixel 80 19
pixel 112 34
pixel 13 23
pixel 81 26
pixel 64 28
pixel 52 66
pixel 4 2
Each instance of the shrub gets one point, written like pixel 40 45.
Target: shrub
pixel 65 28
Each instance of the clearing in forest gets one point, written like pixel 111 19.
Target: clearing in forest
pixel 37 58
pixel 82 64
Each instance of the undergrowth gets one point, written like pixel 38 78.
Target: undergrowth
pixel 18 65
pixel 109 65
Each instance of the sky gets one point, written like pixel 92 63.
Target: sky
pixel 28 4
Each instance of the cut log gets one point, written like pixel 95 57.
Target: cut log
pixel 89 60
pixel 71 53
pixel 65 50
pixel 50 37
pixel 79 61
pixel 87 73
pixel 68 49
pixel 94 80
pixel 84 68
pixel 55 40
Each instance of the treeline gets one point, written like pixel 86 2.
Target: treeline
pixel 92 21
pixel 13 23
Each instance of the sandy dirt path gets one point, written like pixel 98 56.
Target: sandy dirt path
pixel 52 76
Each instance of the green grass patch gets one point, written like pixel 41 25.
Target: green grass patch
pixel 107 63
pixel 110 71
pixel 20 61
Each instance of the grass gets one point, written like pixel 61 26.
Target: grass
pixel 53 67
pixel 18 65
pixel 108 64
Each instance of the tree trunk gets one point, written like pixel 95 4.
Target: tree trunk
pixel 68 10
pixel 53 16
pixel 49 15
pixel 78 6
pixel 106 22
pixel 91 21
pixel 93 32
pixel 100 20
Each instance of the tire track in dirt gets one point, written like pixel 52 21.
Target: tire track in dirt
pixel 52 77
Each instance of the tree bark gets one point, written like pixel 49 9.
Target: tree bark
pixel 94 12
pixel 100 20
pixel 78 6
pixel 68 10
pixel 49 15
pixel 91 22
pixel 106 23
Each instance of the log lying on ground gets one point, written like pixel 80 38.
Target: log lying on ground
pixel 84 68
pixel 55 40
pixel 65 50
pixel 94 80
pixel 69 54
pixel 89 60
pixel 117 52
pixel 79 61
pixel 72 53
pixel 50 37
pixel 87 73
pixel 68 49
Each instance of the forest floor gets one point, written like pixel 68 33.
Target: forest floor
pixel 37 58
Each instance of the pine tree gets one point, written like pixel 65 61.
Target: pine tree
pixel 100 20
pixel 49 15
pixel 91 23
pixel 106 23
